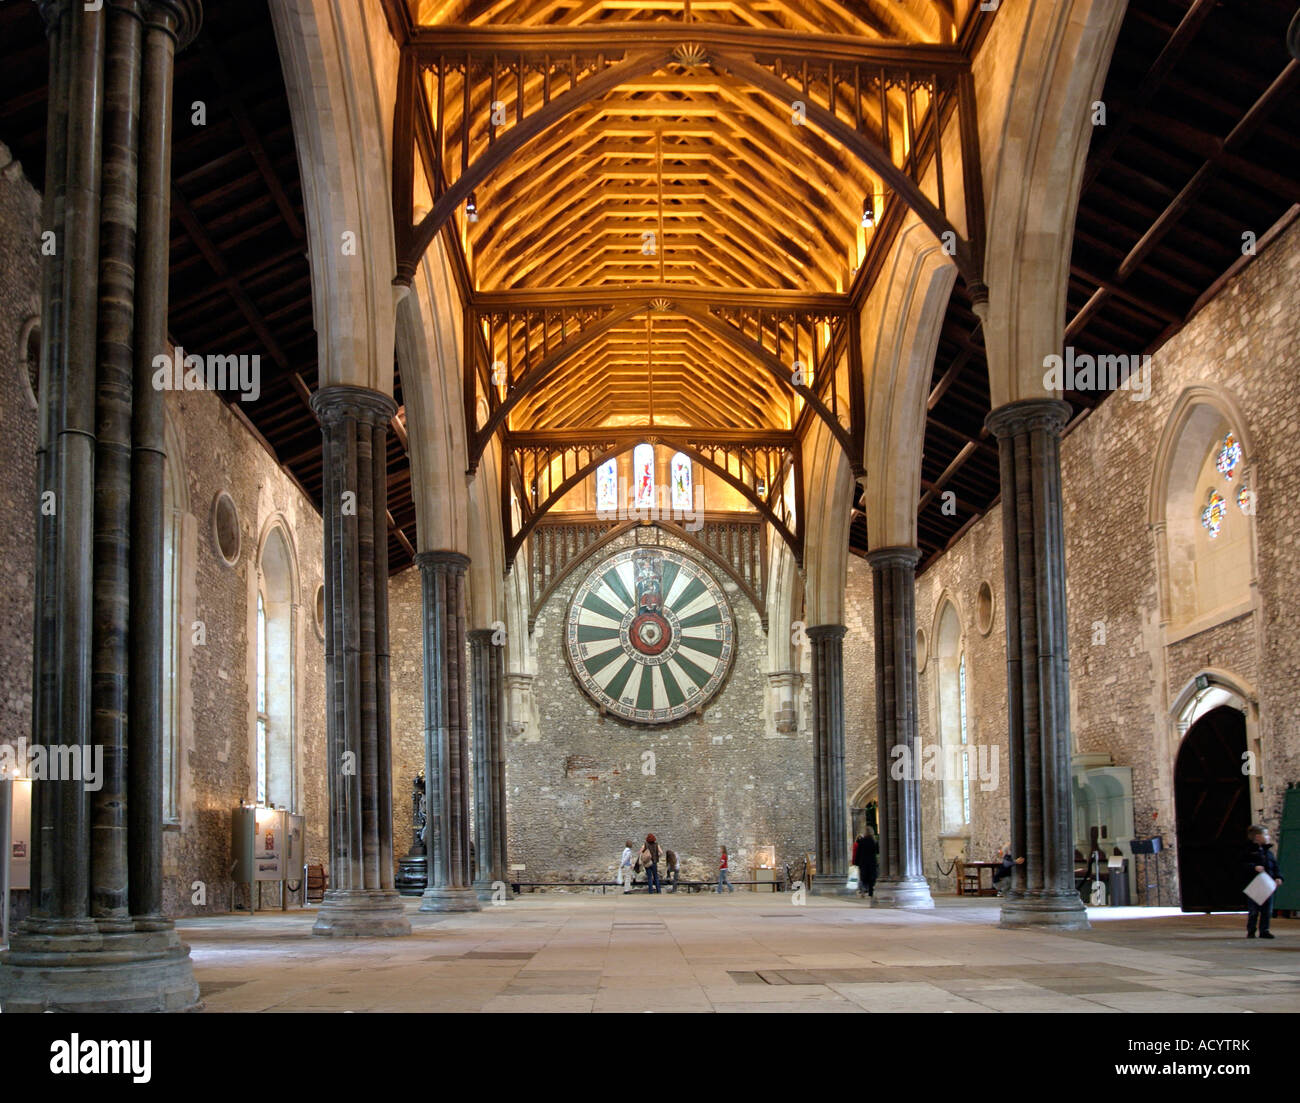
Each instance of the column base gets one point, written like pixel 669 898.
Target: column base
pixel 484 891
pixel 376 913
pixel 903 894
pixel 1061 911
pixel 833 886
pixel 445 898
pixel 61 965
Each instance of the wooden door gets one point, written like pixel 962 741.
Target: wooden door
pixel 1212 805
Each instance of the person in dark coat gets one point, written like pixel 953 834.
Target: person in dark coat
pixel 865 854
pixel 1259 859
pixel 650 863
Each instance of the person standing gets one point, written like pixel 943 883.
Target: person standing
pixel 866 852
pixel 722 873
pixel 625 867
pixel 1260 859
pixel 650 863
pixel 671 858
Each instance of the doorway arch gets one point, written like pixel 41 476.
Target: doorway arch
pixel 1212 811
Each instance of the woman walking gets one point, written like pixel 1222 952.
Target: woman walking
pixel 722 873
pixel 650 863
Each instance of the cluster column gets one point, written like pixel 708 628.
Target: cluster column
pixel 1042 890
pixel 361 899
pixel 487 677
pixel 901 883
pixel 97 939
pixel 446 735
pixel 828 756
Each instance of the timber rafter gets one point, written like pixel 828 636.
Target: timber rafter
pixel 670 217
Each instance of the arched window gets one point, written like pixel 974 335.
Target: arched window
pixel 261 700
pixel 1204 497
pixel 950 665
pixel 178 574
pixel 643 471
pixel 276 743
pixel 682 482
pixel 607 486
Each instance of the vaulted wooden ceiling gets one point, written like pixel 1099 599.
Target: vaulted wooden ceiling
pixel 683 175
pixel 1201 145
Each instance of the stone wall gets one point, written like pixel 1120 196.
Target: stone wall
pixel 1125 669
pixel 213 451
pixel 577 790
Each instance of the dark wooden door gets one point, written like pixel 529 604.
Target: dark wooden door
pixel 1212 805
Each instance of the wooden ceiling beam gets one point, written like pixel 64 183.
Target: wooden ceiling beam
pixel 537 44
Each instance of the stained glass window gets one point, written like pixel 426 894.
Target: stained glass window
pixel 1229 456
pixel 607 486
pixel 681 479
pixel 1213 514
pixel 1246 500
pixel 643 471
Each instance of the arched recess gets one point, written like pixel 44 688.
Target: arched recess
pixel 828 505
pixel 1214 687
pixel 1034 146
pixel 784 602
pixel 516 541
pixel 1203 580
pixel 340 73
pixel 862 807
pixel 276 646
pixel 180 532
pixel 948 669
pixel 900 326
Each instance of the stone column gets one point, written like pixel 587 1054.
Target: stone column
pixel 487 677
pixel 361 899
pixel 96 939
pixel 446 740
pixel 1042 890
pixel 828 757
pixel 893 584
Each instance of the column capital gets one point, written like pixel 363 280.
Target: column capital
pixel 900 556
pixel 182 19
pixel 827 631
pixel 333 404
pixel 1030 413
pixel 441 561
pixel 481 635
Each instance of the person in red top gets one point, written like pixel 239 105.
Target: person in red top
pixel 722 873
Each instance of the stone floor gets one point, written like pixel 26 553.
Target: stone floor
pixel 745 952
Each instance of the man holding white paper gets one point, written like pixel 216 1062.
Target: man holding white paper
pixel 1261 865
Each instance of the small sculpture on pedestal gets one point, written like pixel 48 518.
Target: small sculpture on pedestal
pixel 413 870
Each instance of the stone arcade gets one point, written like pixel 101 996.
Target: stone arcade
pixel 747 425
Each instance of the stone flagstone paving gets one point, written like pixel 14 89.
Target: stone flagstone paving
pixel 744 952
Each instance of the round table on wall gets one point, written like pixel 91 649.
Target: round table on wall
pixel 650 635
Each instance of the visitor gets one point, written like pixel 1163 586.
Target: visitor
pixel 1260 859
pixel 722 873
pixel 625 867
pixel 650 863
pixel 670 857
pixel 1007 864
pixel 865 853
